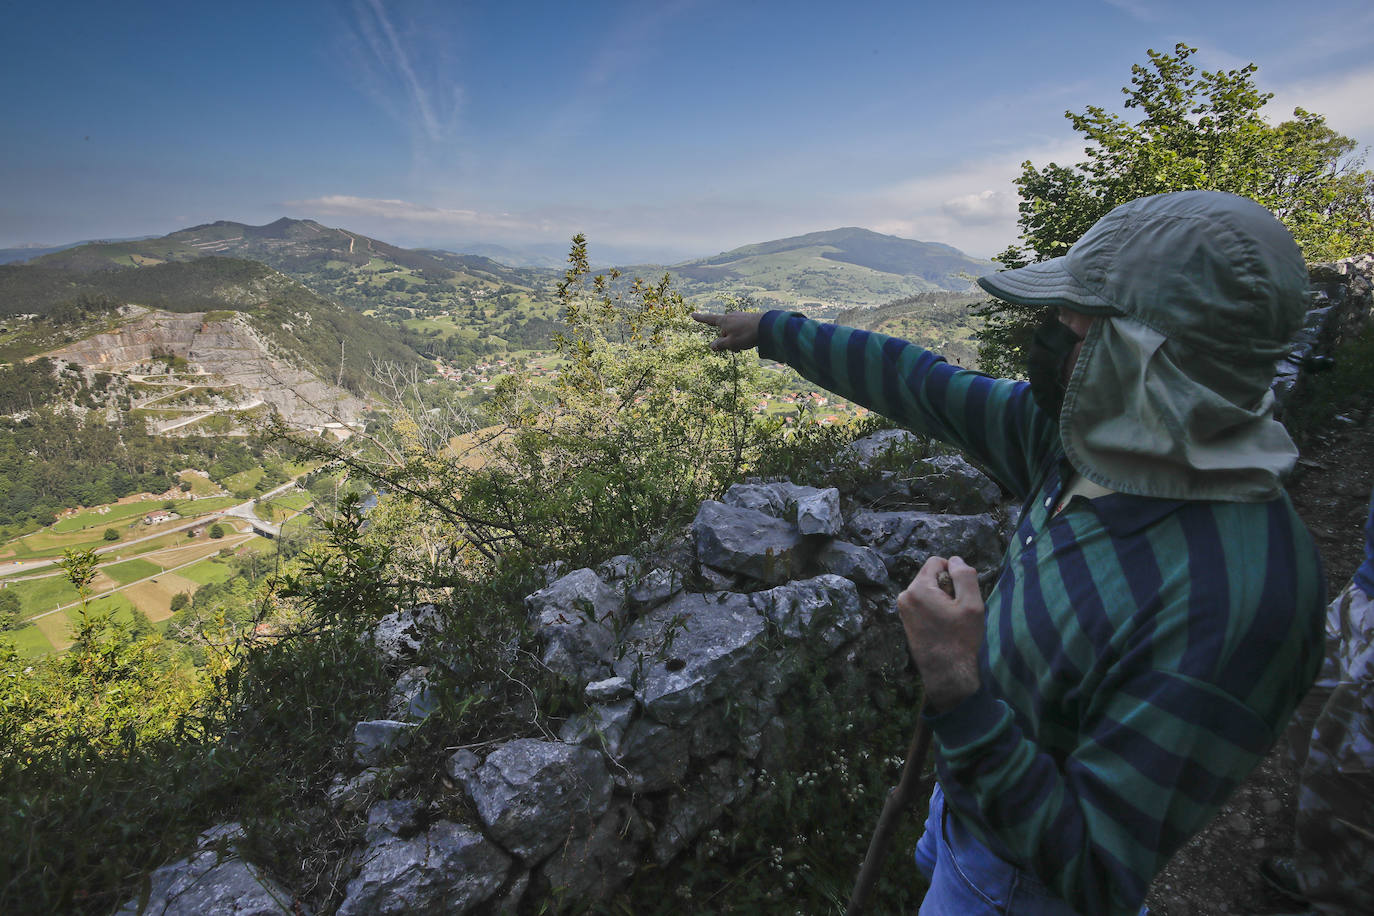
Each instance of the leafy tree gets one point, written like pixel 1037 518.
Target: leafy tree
pixel 1197 130
pixel 179 601
pixel 9 609
pixel 217 530
pixel 110 534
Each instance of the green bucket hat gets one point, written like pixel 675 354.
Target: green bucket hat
pixel 1200 293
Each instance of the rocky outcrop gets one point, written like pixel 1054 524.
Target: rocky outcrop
pixel 685 673
pixel 685 664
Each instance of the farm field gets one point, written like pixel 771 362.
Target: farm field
pixel 86 529
pixel 141 584
pixel 131 571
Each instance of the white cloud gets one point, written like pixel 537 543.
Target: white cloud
pixel 972 206
pixel 400 58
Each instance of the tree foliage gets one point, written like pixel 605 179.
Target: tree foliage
pixel 1186 129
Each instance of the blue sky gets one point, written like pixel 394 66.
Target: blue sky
pixel 660 129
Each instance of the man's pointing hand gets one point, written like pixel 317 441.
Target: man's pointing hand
pixel 738 330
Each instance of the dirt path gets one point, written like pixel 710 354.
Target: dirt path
pixel 1216 871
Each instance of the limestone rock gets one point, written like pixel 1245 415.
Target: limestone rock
pixel 860 565
pixel 350 795
pixel 609 690
pixel 825 608
pixel 213 881
pixel 593 865
pixel 602 726
pixel 948 483
pixel 870 449
pixel 907 539
pixel 575 617
pixel 393 817
pixel 399 636
pixel 748 541
pixel 449 868
pixel 814 510
pixel 654 587
pixel 413 697
pixel 695 649
pixel 373 741
pixel 699 805
pixel 533 794
pixel 617 568
pixel 652 756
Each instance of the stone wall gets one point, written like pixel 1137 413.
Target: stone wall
pixel 686 666
pixel 1342 299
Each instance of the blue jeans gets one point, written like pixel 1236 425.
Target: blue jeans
pixel 966 879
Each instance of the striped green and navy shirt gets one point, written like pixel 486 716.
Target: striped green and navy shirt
pixel 1141 654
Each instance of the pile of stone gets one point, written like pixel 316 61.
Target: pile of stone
pixel 685 665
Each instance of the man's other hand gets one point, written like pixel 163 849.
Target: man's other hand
pixel 738 330
pixel 944 633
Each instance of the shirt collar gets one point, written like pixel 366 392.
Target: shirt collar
pixel 1123 514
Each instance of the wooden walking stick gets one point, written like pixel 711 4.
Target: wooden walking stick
pixel 898 800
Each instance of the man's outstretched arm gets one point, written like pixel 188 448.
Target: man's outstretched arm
pixel 994 420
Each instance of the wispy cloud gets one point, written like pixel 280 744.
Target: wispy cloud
pixel 400 61
pixel 632 42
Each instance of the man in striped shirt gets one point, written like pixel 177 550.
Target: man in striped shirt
pixel 1159 612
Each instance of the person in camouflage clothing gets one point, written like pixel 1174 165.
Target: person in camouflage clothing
pixel 1333 865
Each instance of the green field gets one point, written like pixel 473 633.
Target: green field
pixel 39 595
pixel 284 506
pixel 207 571
pixel 200 486
pixel 86 529
pixel 30 641
pixel 131 571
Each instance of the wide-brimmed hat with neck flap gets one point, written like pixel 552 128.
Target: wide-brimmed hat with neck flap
pixel 1200 293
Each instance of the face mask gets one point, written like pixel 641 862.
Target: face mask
pixel 1049 351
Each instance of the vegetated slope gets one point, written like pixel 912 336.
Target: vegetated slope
pixel 941 321
pixel 450 306
pixel 297 321
pixel 833 269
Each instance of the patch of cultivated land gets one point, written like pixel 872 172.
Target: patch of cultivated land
pixel 154 596
pixel 50 602
pixel 131 571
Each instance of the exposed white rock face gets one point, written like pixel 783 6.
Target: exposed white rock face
pixel 231 352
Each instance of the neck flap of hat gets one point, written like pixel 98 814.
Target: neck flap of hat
pixel 1154 417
